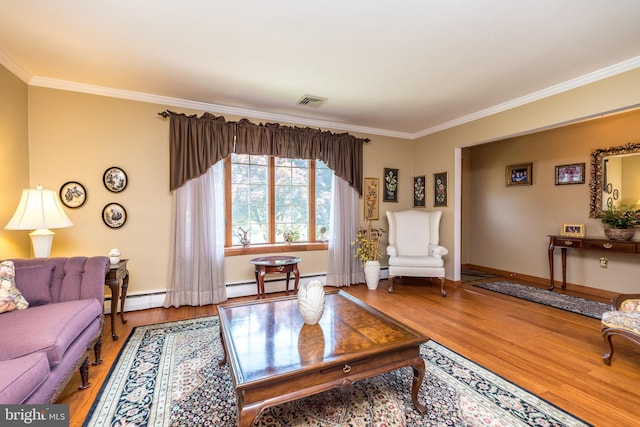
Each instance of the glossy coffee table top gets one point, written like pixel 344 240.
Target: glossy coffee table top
pixel 267 338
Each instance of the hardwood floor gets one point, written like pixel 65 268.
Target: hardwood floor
pixel 552 353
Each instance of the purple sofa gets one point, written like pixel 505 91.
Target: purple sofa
pixel 42 346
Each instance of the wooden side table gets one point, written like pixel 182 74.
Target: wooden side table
pixel 117 272
pixel 276 264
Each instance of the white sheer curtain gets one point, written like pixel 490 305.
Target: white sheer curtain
pixel 343 268
pixel 196 259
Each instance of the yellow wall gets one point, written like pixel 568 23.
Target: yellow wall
pixel 75 137
pixel 615 93
pixel 508 226
pixel 14 158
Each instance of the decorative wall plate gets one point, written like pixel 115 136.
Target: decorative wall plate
pixel 115 179
pixel 73 194
pixel 114 215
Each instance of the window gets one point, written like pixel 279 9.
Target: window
pixel 272 198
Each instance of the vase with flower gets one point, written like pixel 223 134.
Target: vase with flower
pixel 620 222
pixel 368 252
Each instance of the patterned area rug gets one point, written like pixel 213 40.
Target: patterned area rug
pixel 168 375
pixel 553 299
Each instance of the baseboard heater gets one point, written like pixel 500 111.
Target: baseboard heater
pixel 143 301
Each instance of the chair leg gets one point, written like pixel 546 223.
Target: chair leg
pixel 390 288
pixel 608 345
pixel 443 292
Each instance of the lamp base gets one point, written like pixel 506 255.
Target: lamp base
pixel 41 240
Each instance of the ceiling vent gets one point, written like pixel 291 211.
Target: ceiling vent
pixel 311 101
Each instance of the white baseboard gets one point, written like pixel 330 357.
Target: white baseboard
pixel 143 301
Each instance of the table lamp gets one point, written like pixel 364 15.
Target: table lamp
pixel 39 210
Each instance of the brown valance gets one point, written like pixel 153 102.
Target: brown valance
pixel 197 143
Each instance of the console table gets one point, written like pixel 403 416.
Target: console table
pixel 117 272
pixel 586 243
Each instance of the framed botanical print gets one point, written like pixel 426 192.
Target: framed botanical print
pixel 419 195
pixel 371 210
pixel 440 187
pixel 390 193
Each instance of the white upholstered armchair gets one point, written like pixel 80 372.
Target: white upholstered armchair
pixel 414 248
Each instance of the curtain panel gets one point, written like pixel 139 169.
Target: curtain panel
pixel 197 143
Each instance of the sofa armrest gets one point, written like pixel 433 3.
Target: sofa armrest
pixel 438 251
pixel 392 250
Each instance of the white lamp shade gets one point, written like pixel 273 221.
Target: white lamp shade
pixel 39 208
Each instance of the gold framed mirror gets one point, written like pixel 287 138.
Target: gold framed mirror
pixel 615 177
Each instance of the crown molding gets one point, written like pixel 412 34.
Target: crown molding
pixel 14 67
pixel 204 106
pixel 586 79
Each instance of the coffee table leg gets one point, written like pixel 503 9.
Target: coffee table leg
pixel 224 350
pixel 418 375
pixel 247 414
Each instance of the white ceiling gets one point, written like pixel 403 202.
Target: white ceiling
pixel 405 68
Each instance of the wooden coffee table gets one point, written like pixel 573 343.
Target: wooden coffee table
pixel 276 358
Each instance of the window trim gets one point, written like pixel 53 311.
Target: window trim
pixel 261 248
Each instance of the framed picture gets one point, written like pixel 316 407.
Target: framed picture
pixel 115 179
pixel 73 194
pixel 419 193
pixel 570 174
pixel 114 215
pixel 521 174
pixel 440 189
pixel 371 190
pixel 390 193
pixel 572 230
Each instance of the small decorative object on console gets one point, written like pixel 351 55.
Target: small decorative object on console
pixel 572 230
pixel 620 222
pixel 114 256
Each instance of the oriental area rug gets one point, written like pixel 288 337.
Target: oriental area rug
pixel 553 299
pixel 168 375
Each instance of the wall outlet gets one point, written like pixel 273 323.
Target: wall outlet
pixel 604 263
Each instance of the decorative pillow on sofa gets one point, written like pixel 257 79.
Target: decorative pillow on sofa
pixel 34 283
pixel 10 297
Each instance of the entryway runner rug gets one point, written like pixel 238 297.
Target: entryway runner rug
pixel 553 299
pixel 470 275
pixel 168 375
